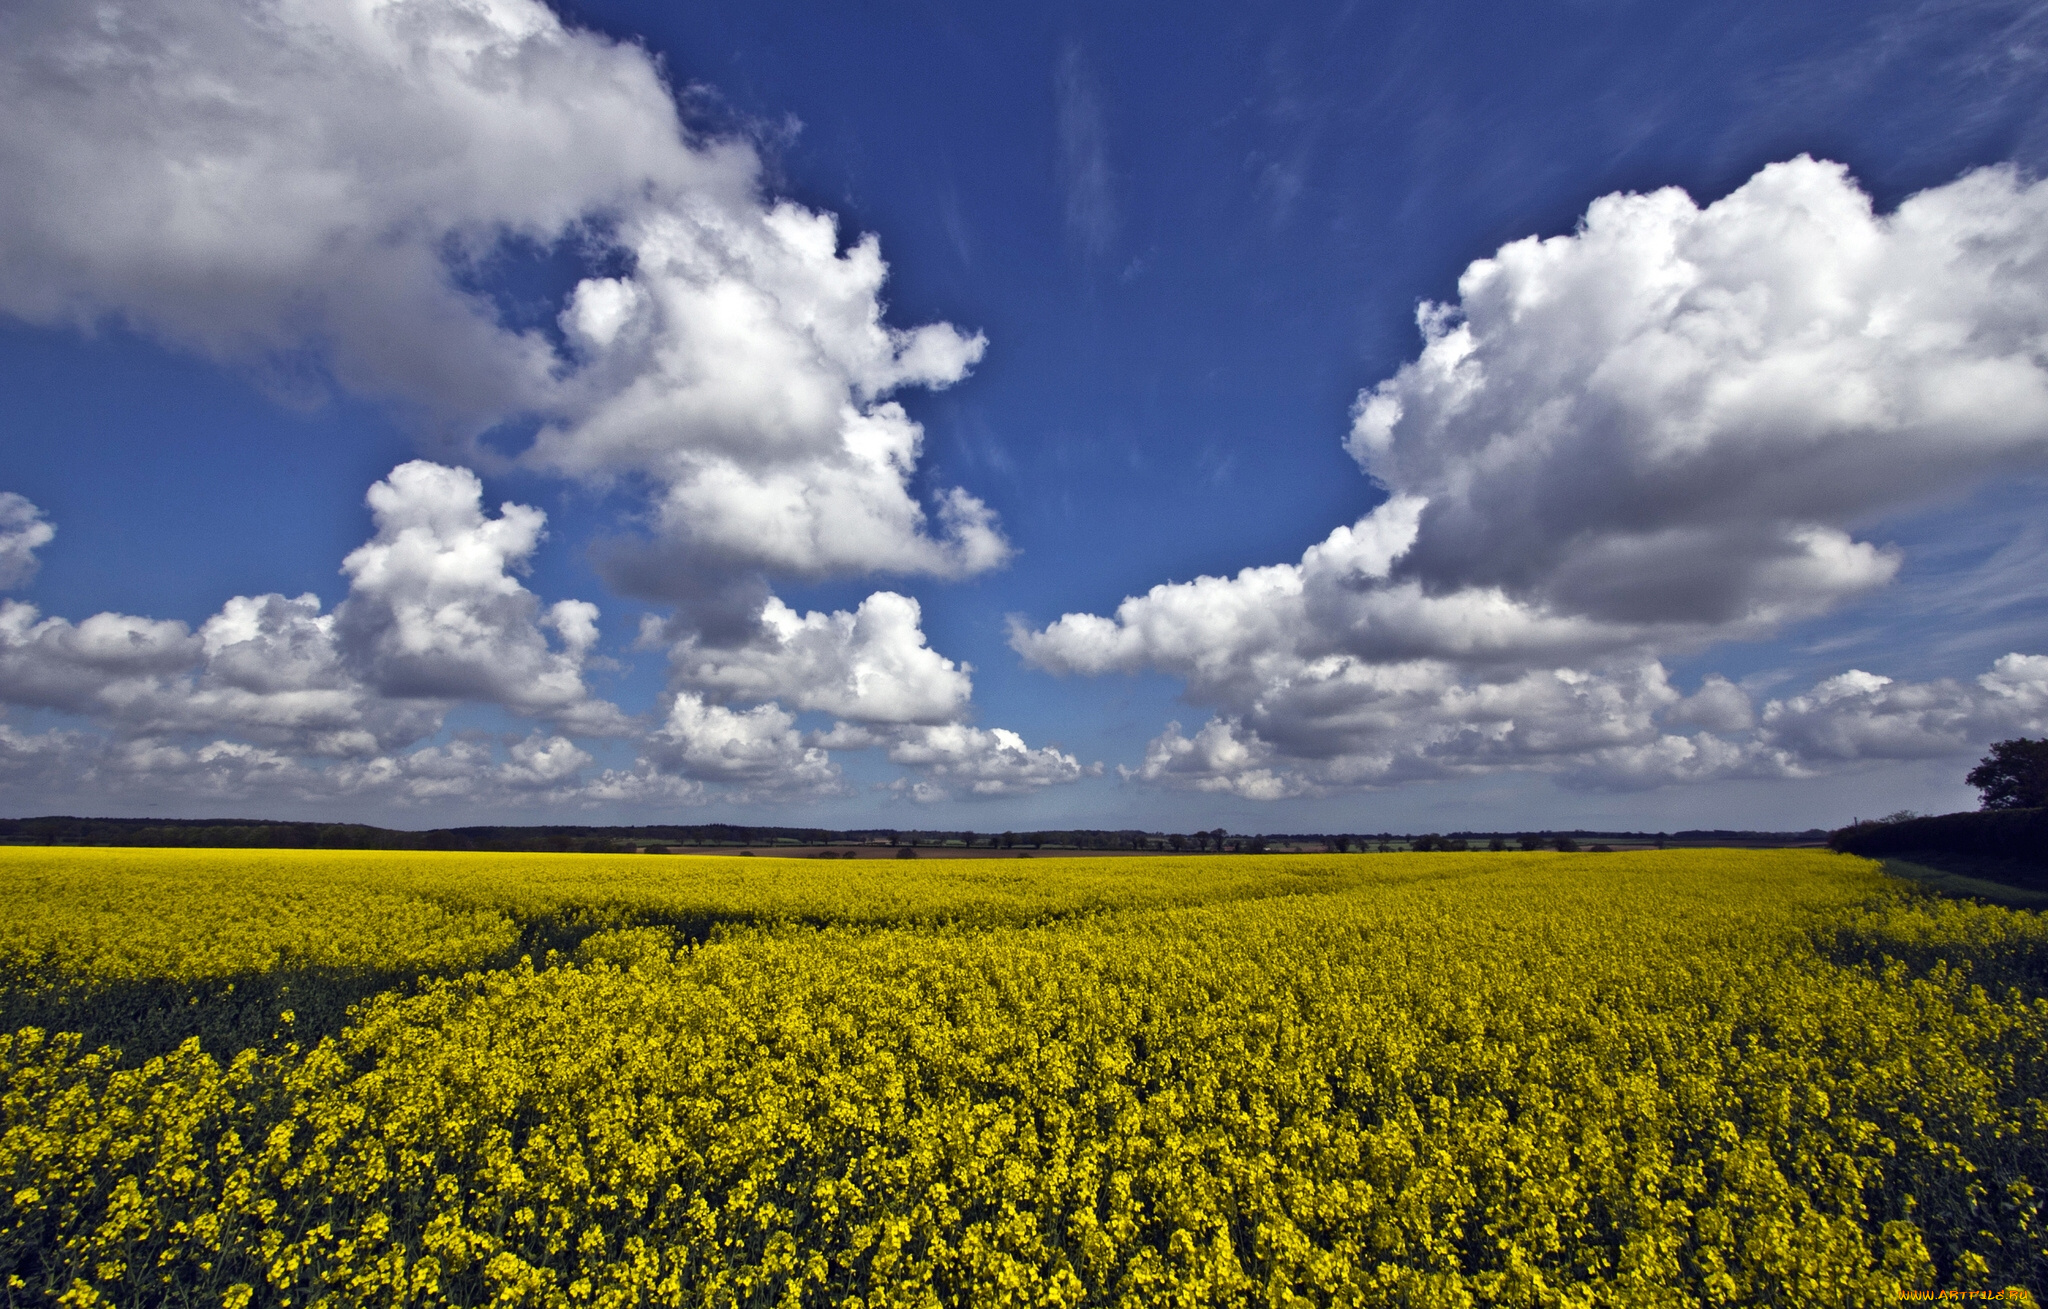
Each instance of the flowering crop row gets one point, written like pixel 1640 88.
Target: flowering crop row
pixel 1667 1079
pixel 142 948
pixel 193 915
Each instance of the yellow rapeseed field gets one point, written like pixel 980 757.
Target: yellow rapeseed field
pixel 1691 1077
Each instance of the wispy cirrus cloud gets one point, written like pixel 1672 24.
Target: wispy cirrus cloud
pixel 1087 181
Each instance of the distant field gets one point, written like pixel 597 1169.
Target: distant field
pixel 1645 1078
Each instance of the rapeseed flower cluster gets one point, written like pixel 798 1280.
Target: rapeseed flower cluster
pixel 1668 1079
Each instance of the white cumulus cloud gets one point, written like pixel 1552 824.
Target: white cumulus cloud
pixel 276 697
pixel 325 194
pixel 873 670
pixel 434 611
pixel 1859 715
pixel 1677 414
pixel 319 189
pixel 1614 729
pixel 433 617
pixel 1660 431
pixel 757 750
pixel 871 665
pixel 456 776
pixel 23 531
pixel 983 761
pixel 1216 759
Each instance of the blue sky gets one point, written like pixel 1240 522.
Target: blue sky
pixel 1310 417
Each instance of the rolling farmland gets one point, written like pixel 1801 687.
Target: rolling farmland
pixel 1726 1077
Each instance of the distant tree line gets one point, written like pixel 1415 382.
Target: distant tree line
pixel 2018 835
pixel 199 833
pixel 2011 826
